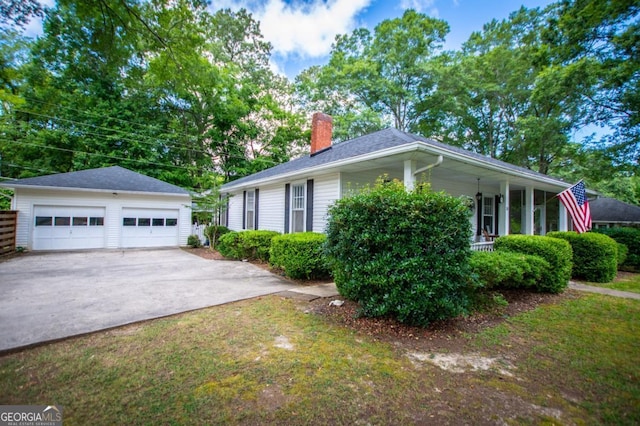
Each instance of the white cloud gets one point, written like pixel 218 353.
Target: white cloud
pixel 420 6
pixel 304 29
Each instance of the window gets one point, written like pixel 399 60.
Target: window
pixel 129 221
pixel 96 221
pixel 171 222
pixel 80 221
pixel 488 214
pixel 157 222
pixel 144 221
pixel 297 208
pixel 251 208
pixel 44 221
pixel 62 221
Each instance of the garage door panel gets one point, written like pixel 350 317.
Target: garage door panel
pixel 67 228
pixel 149 227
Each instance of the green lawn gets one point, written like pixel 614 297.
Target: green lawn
pixel 625 281
pixel 267 361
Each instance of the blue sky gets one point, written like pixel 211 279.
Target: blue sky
pixel 301 31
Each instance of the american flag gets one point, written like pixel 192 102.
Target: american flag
pixel 575 200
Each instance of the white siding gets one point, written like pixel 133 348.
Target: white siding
pixel 235 211
pixel 354 182
pixel 326 190
pixel 271 209
pixel 27 198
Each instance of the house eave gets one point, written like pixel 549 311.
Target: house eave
pixel 92 190
pixel 417 146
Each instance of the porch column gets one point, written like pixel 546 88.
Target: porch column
pixel 409 178
pixel 563 221
pixel 503 212
pixel 528 211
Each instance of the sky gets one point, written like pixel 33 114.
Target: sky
pixel 302 31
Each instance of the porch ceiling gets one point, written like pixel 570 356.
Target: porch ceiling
pixel 451 169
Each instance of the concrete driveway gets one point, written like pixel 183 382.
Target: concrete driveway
pixel 54 295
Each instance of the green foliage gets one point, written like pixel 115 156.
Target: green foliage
pixel 556 252
pixel 630 237
pixel 300 255
pixel 251 245
pixel 595 256
pixel 214 232
pixel 623 251
pixel 194 241
pixel 506 269
pixel 401 253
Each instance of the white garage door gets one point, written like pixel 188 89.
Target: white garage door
pixel 68 228
pixel 149 227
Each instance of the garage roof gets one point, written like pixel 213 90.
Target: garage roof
pixel 605 209
pixel 114 178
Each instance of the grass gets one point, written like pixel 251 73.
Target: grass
pixel 266 361
pixel 624 281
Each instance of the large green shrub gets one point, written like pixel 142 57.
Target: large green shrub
pixel 249 245
pixel 630 237
pixel 300 255
pixel 555 251
pixel 506 269
pixel 214 232
pixel 594 255
pixel 401 253
pixel 623 251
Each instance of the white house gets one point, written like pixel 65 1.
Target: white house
pixel 109 207
pixel 295 196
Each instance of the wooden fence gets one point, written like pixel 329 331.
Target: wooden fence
pixel 8 222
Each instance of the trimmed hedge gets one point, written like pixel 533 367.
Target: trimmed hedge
pixel 595 256
pixel 506 269
pixel 300 255
pixel 401 253
pixel 193 241
pixel 623 251
pixel 630 237
pixel 249 245
pixel 555 251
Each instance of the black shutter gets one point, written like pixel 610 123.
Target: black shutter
pixel 479 223
pixel 287 205
pixel 244 209
pixel 309 226
pixel 496 213
pixel 226 211
pixel 255 209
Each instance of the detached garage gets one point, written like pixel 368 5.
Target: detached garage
pixel 110 207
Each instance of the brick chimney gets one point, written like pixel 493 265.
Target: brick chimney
pixel 321 128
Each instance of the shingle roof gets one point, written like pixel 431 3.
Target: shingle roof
pixel 377 141
pixel 605 209
pixel 114 178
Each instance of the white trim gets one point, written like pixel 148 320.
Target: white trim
pixel 106 191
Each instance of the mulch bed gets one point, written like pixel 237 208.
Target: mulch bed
pixel 448 334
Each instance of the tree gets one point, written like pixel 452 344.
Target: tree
pixel 384 72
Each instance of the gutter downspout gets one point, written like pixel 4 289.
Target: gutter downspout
pixel 429 166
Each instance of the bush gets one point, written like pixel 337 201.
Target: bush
pixel 594 255
pixel 251 245
pixel 630 237
pixel 623 251
pixel 214 232
pixel 194 241
pixel 505 269
pixel 401 253
pixel 555 251
pixel 300 255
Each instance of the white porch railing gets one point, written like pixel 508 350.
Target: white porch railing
pixel 484 246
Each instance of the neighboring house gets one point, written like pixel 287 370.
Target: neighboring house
pixel 608 212
pixel 295 196
pixel 109 207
